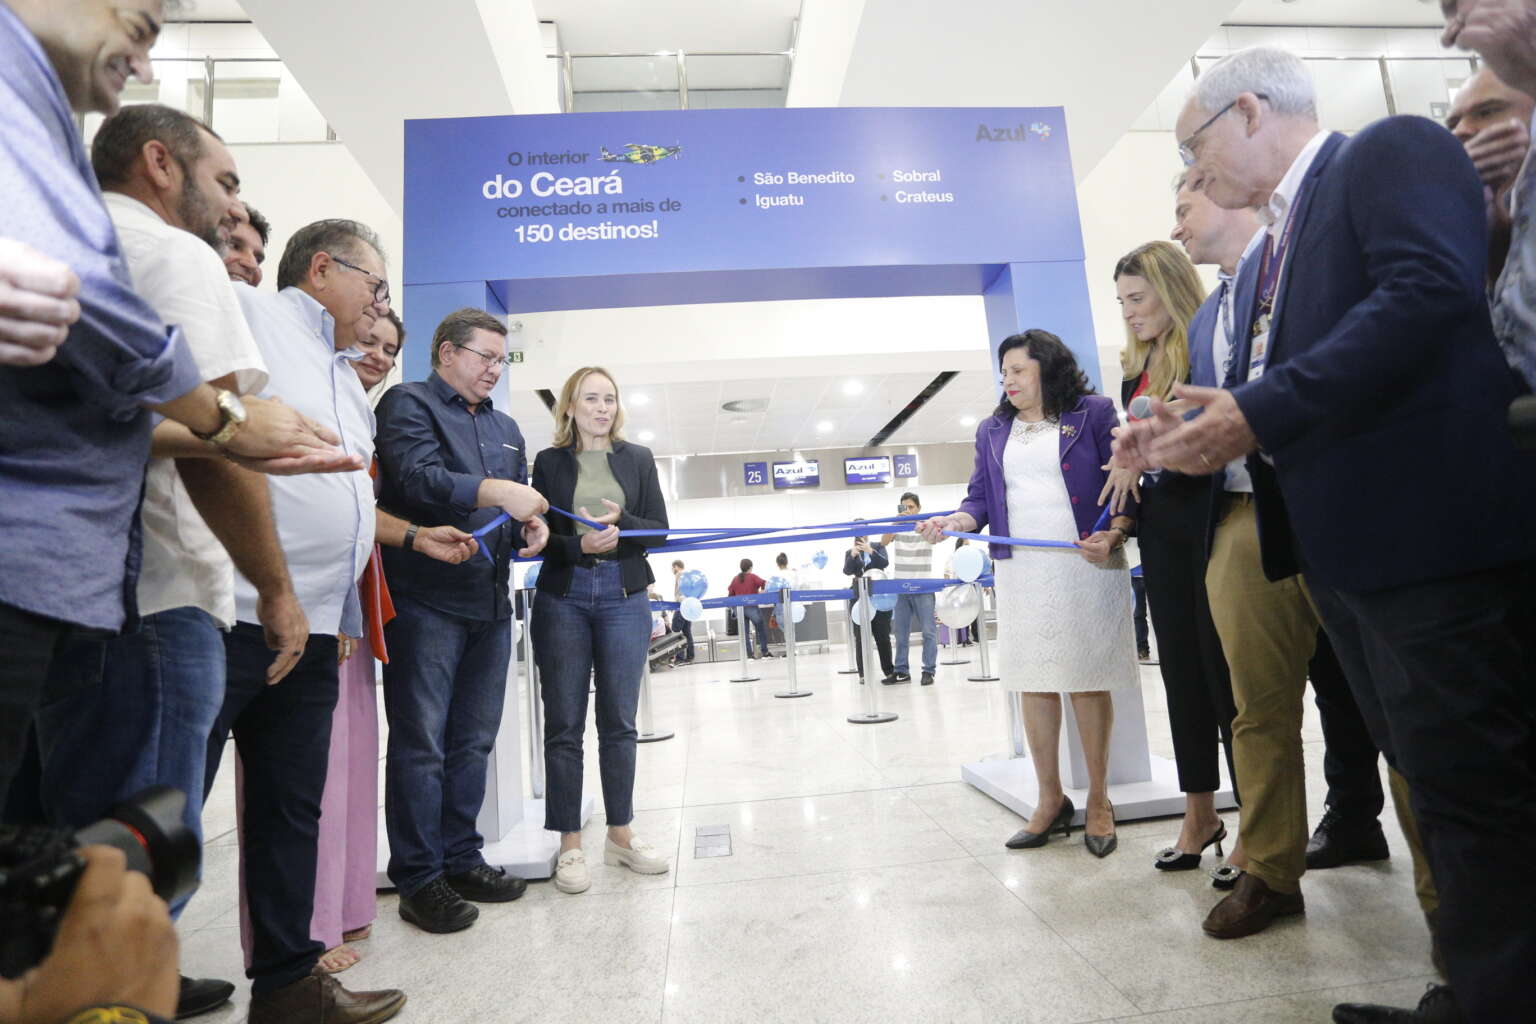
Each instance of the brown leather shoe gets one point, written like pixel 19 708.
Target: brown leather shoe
pixel 320 999
pixel 1249 908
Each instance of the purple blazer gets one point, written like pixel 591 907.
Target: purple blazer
pixel 1085 441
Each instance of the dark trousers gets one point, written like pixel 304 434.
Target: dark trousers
pixel 1349 753
pixel 595 633
pixel 1200 703
pixel 283 735
pixel 444 689
pixel 1445 676
pixel 756 622
pixel 880 627
pixel 31 643
pixel 1139 612
pixel 683 626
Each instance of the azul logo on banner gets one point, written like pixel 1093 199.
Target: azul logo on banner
pixel 1013 133
pixel 797 474
pixel 873 469
pixel 906 467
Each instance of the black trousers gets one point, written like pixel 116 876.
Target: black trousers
pixel 1139 612
pixel 1445 676
pixel 880 628
pixel 1349 753
pixel 35 649
pixel 283 734
pixel 1200 706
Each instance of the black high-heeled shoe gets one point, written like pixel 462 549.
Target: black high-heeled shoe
pixel 1174 859
pixel 1101 846
pixel 1024 839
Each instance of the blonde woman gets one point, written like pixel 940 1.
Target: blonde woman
pixel 1159 292
pixel 591 612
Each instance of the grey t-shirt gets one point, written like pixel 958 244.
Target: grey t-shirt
pixel 594 482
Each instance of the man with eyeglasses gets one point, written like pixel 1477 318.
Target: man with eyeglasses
pixel 1370 364
pixel 912 559
pixel 331 290
pixel 446 453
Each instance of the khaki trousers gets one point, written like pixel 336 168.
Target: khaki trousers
pixel 1268 631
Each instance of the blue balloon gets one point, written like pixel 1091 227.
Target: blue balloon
pixel 692 583
pixel 532 575
pixel 775 584
pixel 819 560
pixel 883 602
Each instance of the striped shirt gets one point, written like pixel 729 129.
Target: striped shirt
pixel 911 557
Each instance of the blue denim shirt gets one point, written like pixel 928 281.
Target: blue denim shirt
pixel 74 436
pixel 433 454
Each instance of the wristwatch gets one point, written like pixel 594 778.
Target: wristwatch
pixel 410 537
pixel 232 418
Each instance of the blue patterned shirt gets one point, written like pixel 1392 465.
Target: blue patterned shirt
pixel 74 434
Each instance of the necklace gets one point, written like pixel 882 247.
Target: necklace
pixel 1027 431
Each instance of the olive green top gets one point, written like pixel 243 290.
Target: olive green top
pixel 594 482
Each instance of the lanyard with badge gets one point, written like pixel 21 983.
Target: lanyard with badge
pixel 1269 282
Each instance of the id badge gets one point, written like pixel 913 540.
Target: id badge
pixel 1259 355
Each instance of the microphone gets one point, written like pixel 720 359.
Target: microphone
pixel 1140 407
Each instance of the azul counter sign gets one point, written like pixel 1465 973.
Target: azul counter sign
pixel 754 474
pixel 509 199
pixel 797 474
pixel 873 469
pixel 906 467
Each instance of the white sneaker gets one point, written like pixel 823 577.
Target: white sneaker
pixel 571 875
pixel 640 857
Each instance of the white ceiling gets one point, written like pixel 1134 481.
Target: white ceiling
pixel 212 10
pixel 1336 12
pixel 687 418
pixel 627 26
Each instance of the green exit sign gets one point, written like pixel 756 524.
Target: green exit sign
pixel 515 356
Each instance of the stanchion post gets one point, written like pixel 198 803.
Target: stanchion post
pixel 871 715
pixel 787 619
pixel 535 702
pixel 853 666
pixel 1016 745
pixel 741 635
pixel 986 675
pixel 954 650
pixel 647 732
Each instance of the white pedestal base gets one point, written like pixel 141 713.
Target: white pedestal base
pixel 1011 782
pixel 528 850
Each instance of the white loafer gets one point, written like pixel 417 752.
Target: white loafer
pixel 640 857
pixel 571 875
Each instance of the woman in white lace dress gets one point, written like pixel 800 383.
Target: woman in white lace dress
pixel 1064 614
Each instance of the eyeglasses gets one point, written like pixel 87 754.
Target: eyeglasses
pixel 487 358
pixel 1186 148
pixel 380 288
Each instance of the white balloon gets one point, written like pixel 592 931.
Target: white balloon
pixel 857 611
pixel 958 606
pixel 517 632
pixel 692 609
pixel 968 563
pixel 797 612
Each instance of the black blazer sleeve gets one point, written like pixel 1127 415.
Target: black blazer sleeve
pixel 649 511
pixel 552 479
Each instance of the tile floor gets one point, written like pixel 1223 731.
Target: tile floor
pixel 866 883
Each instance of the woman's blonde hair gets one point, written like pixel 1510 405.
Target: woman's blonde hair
pixel 566 435
pixel 1168 270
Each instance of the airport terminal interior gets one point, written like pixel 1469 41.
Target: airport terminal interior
pixel 822 868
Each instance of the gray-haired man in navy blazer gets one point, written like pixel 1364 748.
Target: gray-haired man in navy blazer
pixel 1377 392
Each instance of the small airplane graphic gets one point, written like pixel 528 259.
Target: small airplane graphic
pixel 635 153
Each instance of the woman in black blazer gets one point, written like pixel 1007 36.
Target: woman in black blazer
pixel 591 612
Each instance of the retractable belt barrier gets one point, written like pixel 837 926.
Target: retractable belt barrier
pixel 713 538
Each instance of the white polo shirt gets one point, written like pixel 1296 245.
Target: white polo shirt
pixel 184 281
pixel 325 521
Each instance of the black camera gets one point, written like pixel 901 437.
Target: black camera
pixel 40 867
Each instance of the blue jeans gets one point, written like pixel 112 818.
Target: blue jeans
pixel 919 606
pixel 757 620
pixel 283 736
pixel 145 724
pixel 444 686
pixel 594 626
